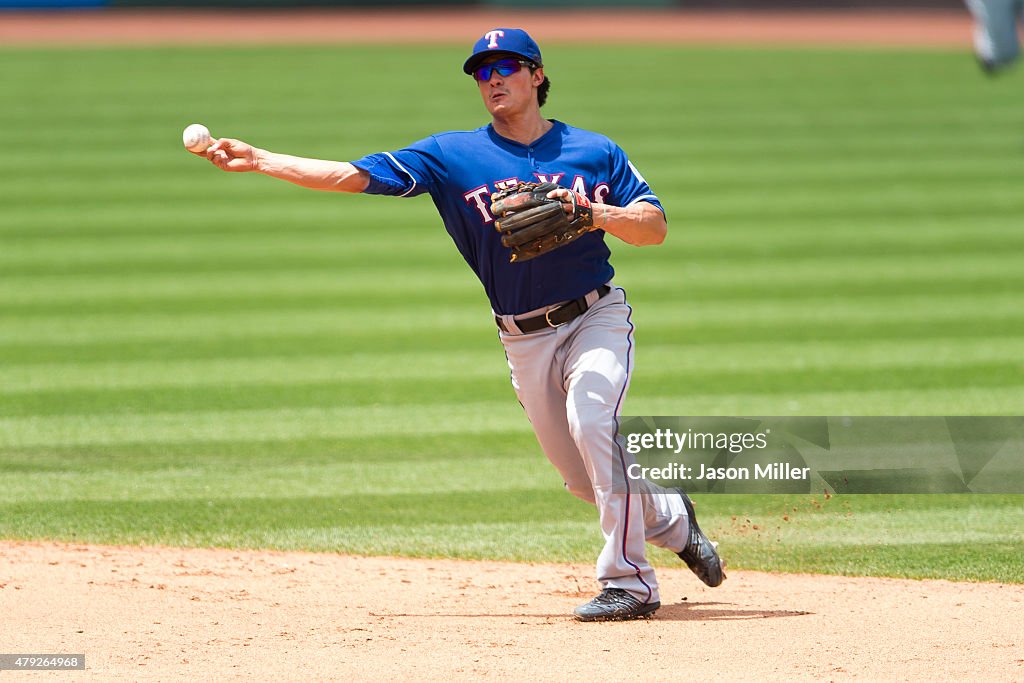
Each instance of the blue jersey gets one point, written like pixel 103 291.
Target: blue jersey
pixel 460 170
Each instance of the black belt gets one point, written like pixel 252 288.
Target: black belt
pixel 554 317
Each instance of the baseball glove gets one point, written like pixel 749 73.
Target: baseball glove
pixel 531 224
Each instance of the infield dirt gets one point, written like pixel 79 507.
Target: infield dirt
pixel 199 614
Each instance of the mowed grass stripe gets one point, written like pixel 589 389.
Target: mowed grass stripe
pixel 393 391
pixel 772 203
pixel 803 146
pixel 298 344
pixel 473 362
pixel 674 265
pixel 412 393
pixel 343 249
pixel 415 219
pixel 348 241
pixel 801 193
pixel 715 110
pixel 994 560
pixel 468 363
pixel 903 155
pixel 699 135
pixel 529 537
pixel 686 398
pixel 678 316
pixel 480 418
pixel 196 481
pixel 912 527
pixel 684 217
pixel 216 262
pixel 436 417
pixel 171 248
pixel 76 178
pixel 346 508
pixel 237 457
pixel 102 288
pixel 677 272
pixel 671 267
pixel 407 293
pixel 286 342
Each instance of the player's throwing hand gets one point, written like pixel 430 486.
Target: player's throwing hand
pixel 229 154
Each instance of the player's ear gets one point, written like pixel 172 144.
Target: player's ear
pixel 538 76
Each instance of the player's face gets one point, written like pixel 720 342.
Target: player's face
pixel 510 94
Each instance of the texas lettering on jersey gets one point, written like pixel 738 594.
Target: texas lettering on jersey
pixel 480 197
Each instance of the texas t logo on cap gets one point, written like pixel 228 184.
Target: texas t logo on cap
pixel 492 37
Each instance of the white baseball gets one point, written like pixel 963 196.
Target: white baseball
pixel 196 138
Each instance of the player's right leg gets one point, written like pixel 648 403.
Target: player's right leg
pixel 537 381
pixel 629 589
pixel 597 366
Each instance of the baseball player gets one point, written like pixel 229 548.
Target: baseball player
pixel 567 332
pixel 996 43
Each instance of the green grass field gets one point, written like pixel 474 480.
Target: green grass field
pixel 188 357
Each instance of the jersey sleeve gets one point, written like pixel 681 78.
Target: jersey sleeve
pixel 627 185
pixel 406 172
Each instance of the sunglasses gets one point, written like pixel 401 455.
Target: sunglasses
pixel 504 67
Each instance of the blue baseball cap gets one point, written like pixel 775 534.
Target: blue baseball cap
pixel 514 41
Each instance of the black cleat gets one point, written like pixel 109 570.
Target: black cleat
pixel 700 554
pixel 615 604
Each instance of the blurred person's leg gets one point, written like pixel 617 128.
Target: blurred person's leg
pixel 995 31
